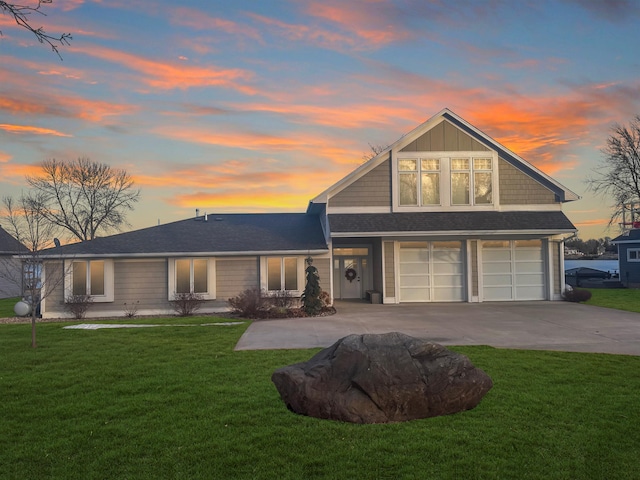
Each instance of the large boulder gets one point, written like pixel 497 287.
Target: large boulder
pixel 380 379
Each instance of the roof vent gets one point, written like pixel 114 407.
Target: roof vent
pixel 197 212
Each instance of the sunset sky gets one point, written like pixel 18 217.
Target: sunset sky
pixel 258 106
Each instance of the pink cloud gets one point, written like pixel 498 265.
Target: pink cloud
pixel 31 130
pixel 172 75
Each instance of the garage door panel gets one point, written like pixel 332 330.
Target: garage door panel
pixel 497 293
pixel 494 268
pixel 496 255
pixel 447 256
pixel 447 268
pixel 528 254
pixel 492 280
pixel 530 279
pixel 526 267
pixel 447 294
pixel 414 255
pixel 414 295
pixel 414 268
pixel 530 293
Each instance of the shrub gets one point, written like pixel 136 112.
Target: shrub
pixel 186 304
pixel 576 295
pixel 131 310
pixel 281 299
pixel 248 303
pixel 77 305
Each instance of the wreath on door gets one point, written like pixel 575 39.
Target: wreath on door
pixel 350 274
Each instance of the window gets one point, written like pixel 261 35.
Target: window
pixel 282 273
pixel 633 255
pixel 192 275
pixel 471 174
pixel 90 277
pixel 419 181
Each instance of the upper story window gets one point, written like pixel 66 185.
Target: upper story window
pixel 633 255
pixel 419 181
pixel 471 175
pixel 437 180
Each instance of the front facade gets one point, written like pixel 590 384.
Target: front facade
pixel 11 277
pixel 445 214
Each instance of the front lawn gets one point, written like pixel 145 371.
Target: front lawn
pixel 178 402
pixel 6 307
pixel 618 298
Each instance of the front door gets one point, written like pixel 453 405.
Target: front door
pixel 351 277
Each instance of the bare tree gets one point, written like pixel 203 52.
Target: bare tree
pixel 618 173
pixel 24 220
pixel 84 197
pixel 22 16
pixel 374 149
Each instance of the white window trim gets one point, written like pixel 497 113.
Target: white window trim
pixel 301 274
pixel 211 277
pixel 633 260
pixel 108 279
pixel 445 181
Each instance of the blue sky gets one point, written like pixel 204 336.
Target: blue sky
pixel 252 106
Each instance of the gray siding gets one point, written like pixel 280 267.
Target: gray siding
pixel 389 270
pixel 234 275
pixel 517 188
pixel 445 137
pixel 371 190
pixel 629 271
pixel 324 270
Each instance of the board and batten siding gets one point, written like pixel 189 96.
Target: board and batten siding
pixel 445 137
pixel 371 190
pixel 518 188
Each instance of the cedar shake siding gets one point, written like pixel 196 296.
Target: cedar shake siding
pixel 372 190
pixel 517 188
pixel 445 137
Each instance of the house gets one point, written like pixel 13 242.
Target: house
pixel 445 214
pixel 10 267
pixel 629 256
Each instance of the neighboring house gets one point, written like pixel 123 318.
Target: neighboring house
pixel 445 214
pixel 629 257
pixel 10 267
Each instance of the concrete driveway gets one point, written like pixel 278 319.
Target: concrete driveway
pixel 524 325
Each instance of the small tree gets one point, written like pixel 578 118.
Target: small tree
pixel 618 173
pixel 311 302
pixel 25 221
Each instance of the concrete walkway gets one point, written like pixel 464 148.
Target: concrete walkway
pixel 524 325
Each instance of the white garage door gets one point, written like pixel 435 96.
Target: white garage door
pixel 513 270
pixel 431 272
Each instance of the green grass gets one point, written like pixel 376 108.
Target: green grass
pixel 178 402
pixel 6 307
pixel 618 298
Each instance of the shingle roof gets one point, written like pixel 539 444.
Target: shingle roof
pixel 227 233
pixel 433 222
pixel 9 245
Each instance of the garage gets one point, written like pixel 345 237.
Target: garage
pixel 513 270
pixel 431 272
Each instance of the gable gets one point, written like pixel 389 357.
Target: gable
pixel 445 137
pixel 371 190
